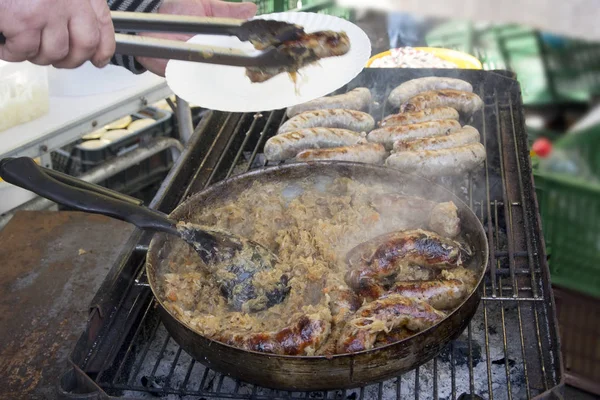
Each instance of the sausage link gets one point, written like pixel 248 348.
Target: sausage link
pixel 440 294
pixel 415 86
pixel 308 332
pixel 375 262
pixel 444 162
pixel 387 313
pixel 444 220
pixel 357 99
pixel 466 135
pixel 287 145
pixel 464 102
pixel 368 153
pixel 356 121
pixel 414 117
pixel 391 134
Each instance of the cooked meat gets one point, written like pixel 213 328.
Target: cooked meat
pixel 358 99
pixel 305 50
pixel 353 120
pixel 288 145
pixel 304 336
pixel 394 336
pixel 343 303
pixel 413 87
pixel 440 294
pixel 465 102
pixel 415 117
pixel 444 220
pixel 368 153
pixel 376 262
pixel 385 314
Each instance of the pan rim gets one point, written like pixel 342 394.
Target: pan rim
pixel 325 164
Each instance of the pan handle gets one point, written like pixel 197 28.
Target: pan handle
pixel 25 173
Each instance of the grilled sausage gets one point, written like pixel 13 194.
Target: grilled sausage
pixel 375 262
pixel 368 153
pixel 390 312
pixel 464 102
pixel 300 338
pixel 356 121
pixel 415 86
pixel 461 137
pixel 444 162
pixel 357 99
pixel 414 117
pixel 444 220
pixel 440 294
pixel 391 134
pixel 287 145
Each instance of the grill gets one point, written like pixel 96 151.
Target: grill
pixel 509 350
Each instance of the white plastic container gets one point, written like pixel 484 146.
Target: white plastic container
pixel 24 93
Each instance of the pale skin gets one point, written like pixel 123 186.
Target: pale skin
pixel 67 33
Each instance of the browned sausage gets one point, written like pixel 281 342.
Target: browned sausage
pixel 356 121
pixel 357 99
pixel 415 86
pixel 464 102
pixel 391 134
pixel 440 294
pixel 414 117
pixel 390 312
pixel 375 262
pixel 466 135
pixel 368 153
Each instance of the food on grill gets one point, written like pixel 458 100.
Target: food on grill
pixel 441 294
pixel 396 335
pixel 377 261
pixel 444 220
pixel 357 99
pixel 444 162
pixel 461 137
pixel 390 312
pixel 368 153
pixel 311 225
pixel 353 120
pixel 303 336
pixel 305 50
pixel 464 102
pixel 289 144
pixel 414 117
pixel 411 212
pixel 390 134
pixel 411 88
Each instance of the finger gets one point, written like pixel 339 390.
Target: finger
pixel 84 37
pixel 54 45
pixel 220 8
pixel 21 47
pixel 106 47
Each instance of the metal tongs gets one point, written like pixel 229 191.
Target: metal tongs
pixel 265 35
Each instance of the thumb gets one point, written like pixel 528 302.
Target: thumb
pixel 225 9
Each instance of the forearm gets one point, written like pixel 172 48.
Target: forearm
pixel 134 6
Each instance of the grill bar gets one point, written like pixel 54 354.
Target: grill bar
pixel 513 293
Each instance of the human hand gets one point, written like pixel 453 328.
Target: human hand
pixel 62 33
pixel 198 8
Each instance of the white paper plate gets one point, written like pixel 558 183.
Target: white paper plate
pixel 226 88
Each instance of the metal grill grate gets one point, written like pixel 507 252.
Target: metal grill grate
pixel 509 350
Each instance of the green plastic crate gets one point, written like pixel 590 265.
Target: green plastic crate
pixel 549 71
pixel 570 212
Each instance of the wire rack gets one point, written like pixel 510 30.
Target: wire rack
pixel 508 351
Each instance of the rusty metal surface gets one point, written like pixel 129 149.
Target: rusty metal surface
pixel 51 265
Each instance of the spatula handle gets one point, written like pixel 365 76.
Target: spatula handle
pixel 25 173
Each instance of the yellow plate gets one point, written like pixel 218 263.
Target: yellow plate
pixel 462 60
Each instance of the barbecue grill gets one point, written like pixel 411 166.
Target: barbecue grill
pixel 509 350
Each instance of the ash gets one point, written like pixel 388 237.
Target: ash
pixel 162 373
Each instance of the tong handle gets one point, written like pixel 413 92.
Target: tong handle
pixel 25 173
pixel 144 46
pixel 152 22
